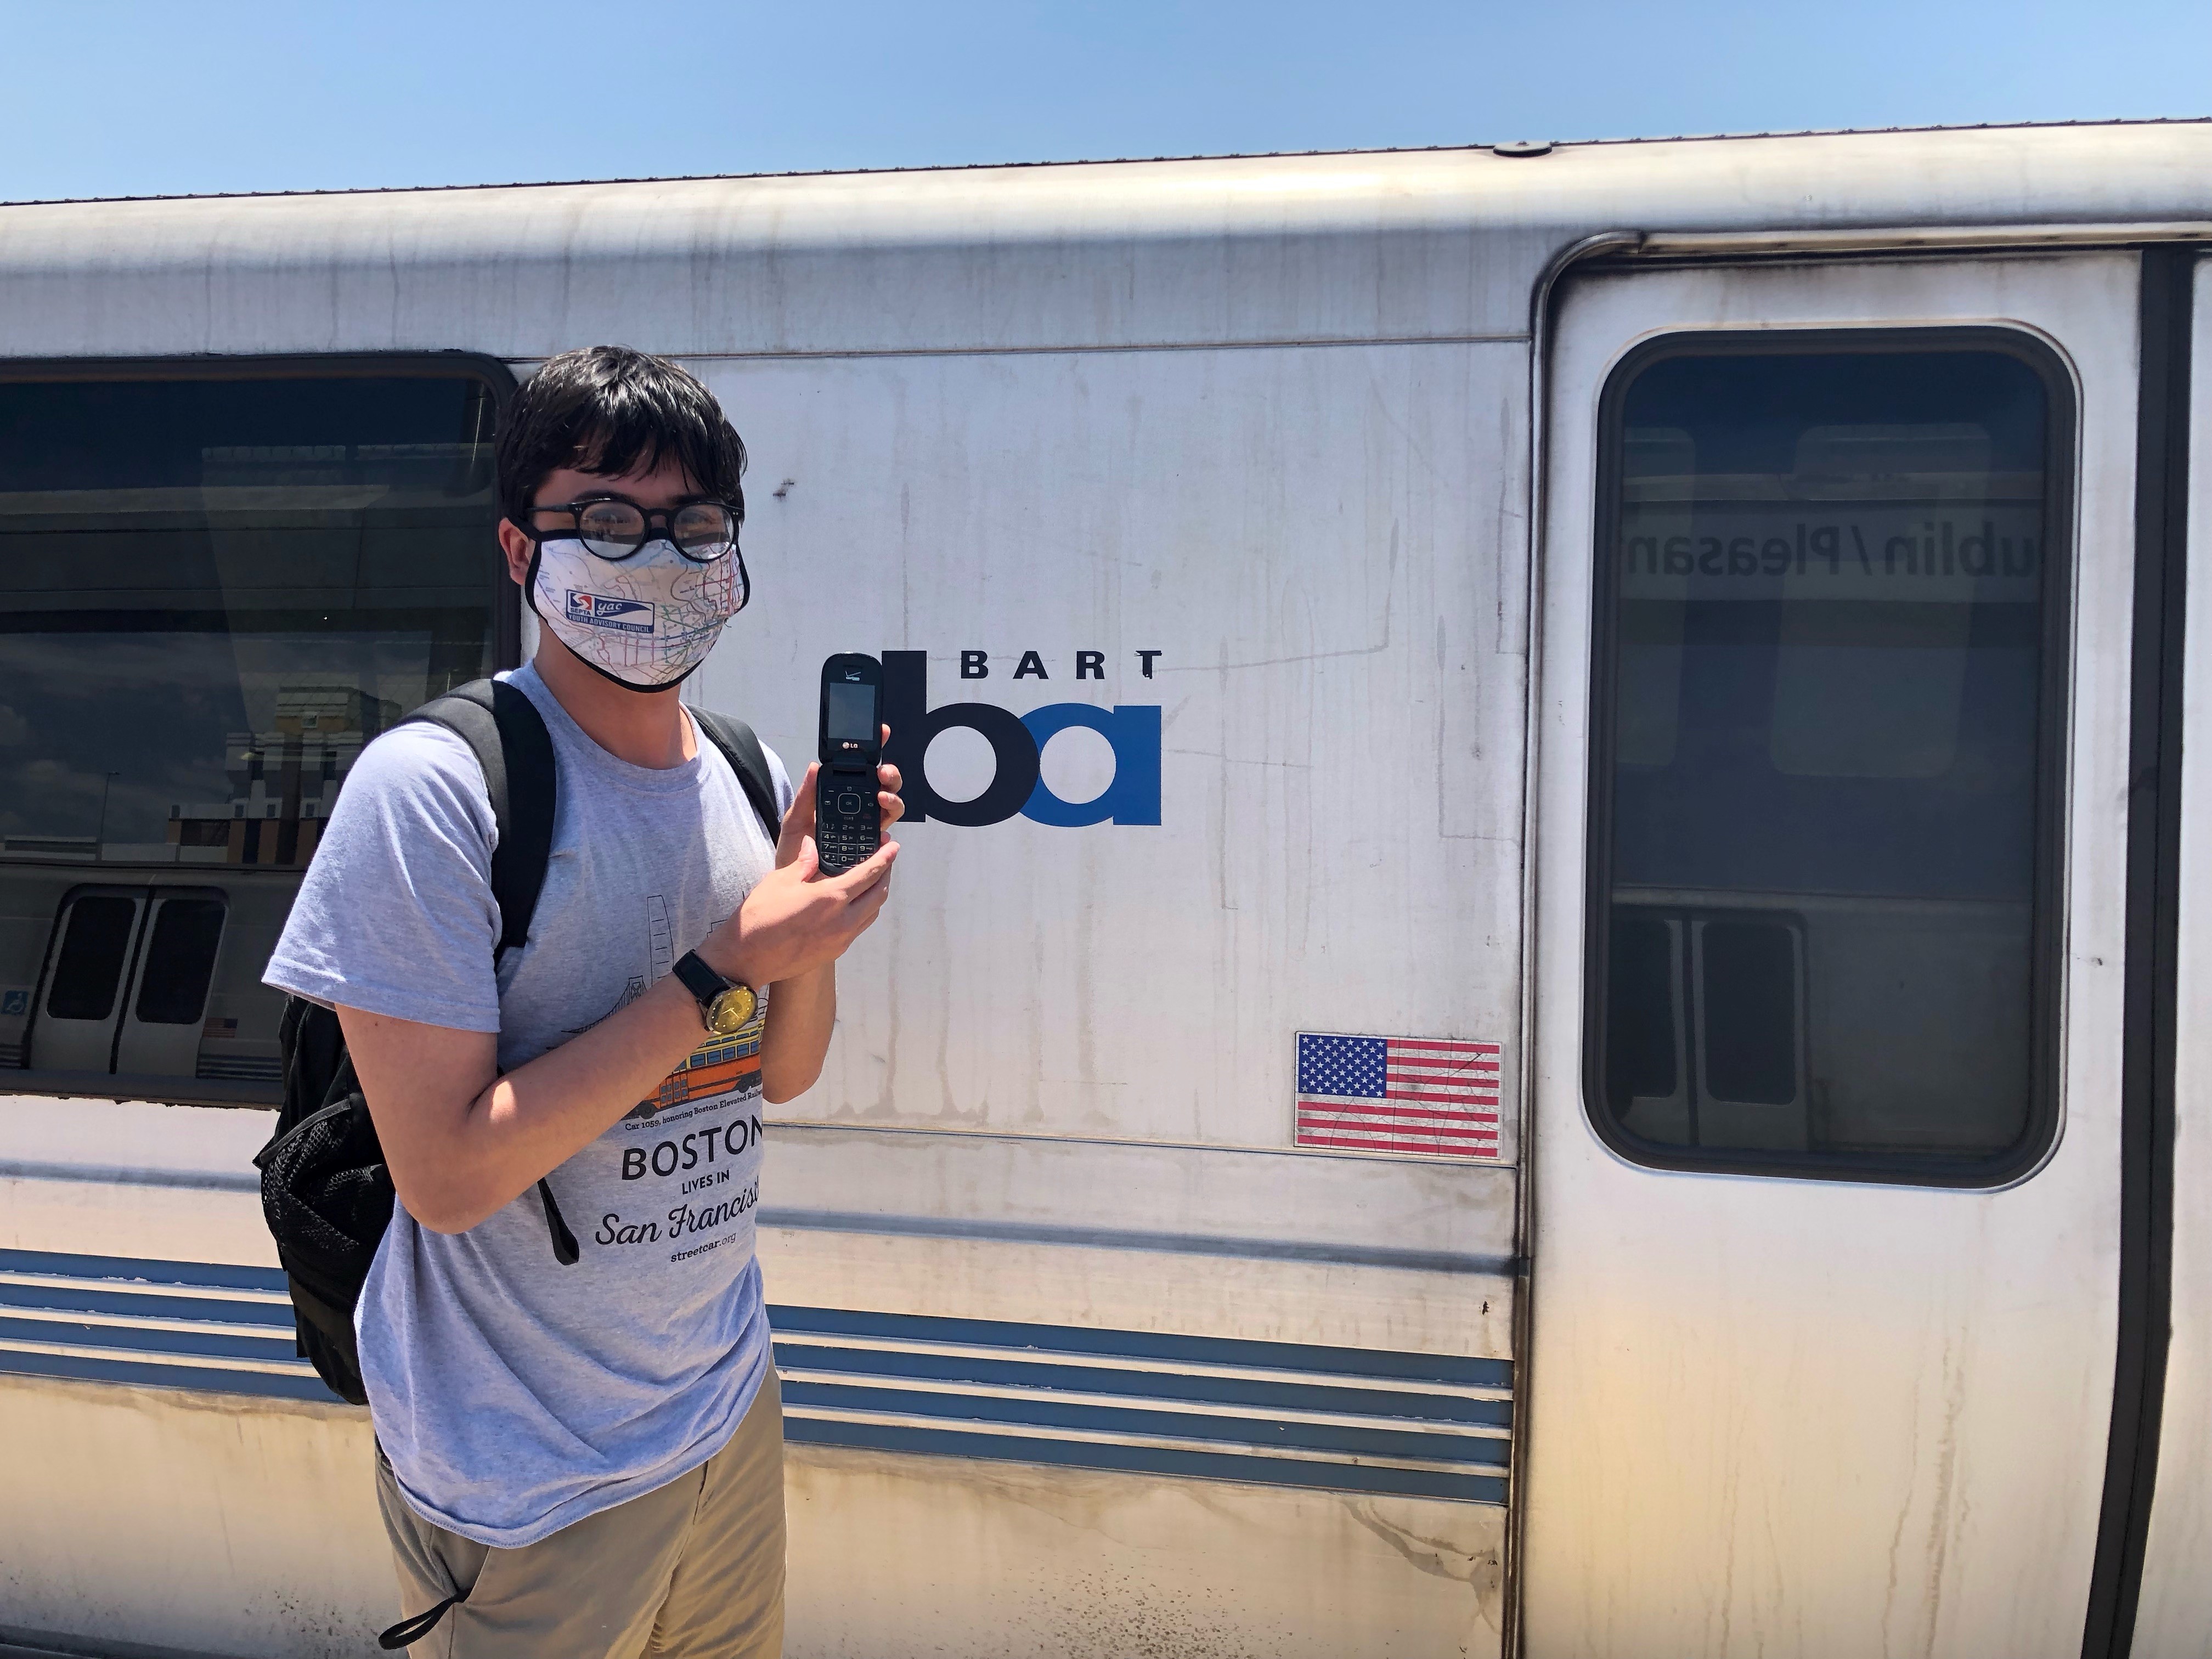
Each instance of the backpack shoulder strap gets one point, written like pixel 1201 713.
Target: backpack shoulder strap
pixel 508 735
pixel 512 744
pixel 748 760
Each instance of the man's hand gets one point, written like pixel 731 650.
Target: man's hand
pixel 799 823
pixel 798 920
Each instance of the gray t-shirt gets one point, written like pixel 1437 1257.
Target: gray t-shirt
pixel 514 1394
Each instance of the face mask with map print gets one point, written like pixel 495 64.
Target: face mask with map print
pixel 645 622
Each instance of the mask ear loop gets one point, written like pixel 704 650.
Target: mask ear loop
pixel 530 579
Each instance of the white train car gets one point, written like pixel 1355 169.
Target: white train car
pixel 1549 993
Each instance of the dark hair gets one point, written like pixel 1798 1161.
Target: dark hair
pixel 612 411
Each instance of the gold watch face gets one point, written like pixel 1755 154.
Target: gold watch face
pixel 728 1014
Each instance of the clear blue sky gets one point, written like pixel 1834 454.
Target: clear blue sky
pixel 131 97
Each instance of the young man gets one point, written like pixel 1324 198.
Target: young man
pixel 590 1452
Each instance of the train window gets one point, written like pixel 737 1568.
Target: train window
pixel 1829 679
pixel 88 968
pixel 217 582
pixel 180 955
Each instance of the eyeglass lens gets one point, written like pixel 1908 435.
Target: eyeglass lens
pixel 614 530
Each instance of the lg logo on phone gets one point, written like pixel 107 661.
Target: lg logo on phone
pixel 1017 743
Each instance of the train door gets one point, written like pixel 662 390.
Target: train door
pixel 126 980
pixel 1832 876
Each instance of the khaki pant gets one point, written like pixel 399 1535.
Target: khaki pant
pixel 693 1569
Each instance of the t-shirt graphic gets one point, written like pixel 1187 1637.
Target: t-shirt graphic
pixel 512 1394
pixel 719 1065
pixel 660 942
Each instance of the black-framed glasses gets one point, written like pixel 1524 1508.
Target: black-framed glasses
pixel 610 528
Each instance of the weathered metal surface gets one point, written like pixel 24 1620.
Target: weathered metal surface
pixel 1319 550
pixel 210 1523
pixel 1416 245
pixel 1008 1560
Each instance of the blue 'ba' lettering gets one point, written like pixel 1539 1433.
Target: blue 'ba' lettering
pixel 1017 741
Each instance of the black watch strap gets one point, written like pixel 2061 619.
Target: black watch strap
pixel 703 981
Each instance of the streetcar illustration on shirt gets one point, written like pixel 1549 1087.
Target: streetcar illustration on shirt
pixel 715 1067
pixel 719 1065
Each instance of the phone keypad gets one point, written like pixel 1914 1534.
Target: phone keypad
pixel 846 831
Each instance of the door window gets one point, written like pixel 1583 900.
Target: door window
pixel 95 945
pixel 217 583
pixel 1831 581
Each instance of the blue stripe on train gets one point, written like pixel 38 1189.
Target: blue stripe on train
pixel 154 1374
pixel 144 1270
pixel 1160 1460
pixel 983 1409
pixel 1374 1362
pixel 1414 1425
pixel 182 1305
pixel 1333 1395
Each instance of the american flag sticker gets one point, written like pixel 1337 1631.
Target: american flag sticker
pixel 1436 1096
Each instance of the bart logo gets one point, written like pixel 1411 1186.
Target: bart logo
pixel 1018 741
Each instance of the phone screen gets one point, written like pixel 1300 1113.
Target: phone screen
pixel 852 714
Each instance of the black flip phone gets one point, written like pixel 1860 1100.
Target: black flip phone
pixel 846 827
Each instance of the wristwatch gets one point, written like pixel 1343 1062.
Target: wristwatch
pixel 724 1004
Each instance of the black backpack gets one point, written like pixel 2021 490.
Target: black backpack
pixel 326 1192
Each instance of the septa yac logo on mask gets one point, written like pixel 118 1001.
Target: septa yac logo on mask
pixel 604 610
pixel 1018 741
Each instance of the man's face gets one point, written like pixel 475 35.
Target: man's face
pixel 666 486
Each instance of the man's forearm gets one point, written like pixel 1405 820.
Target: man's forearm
pixel 576 1092
pixel 463 1141
pixel 454 1164
pixel 801 1012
